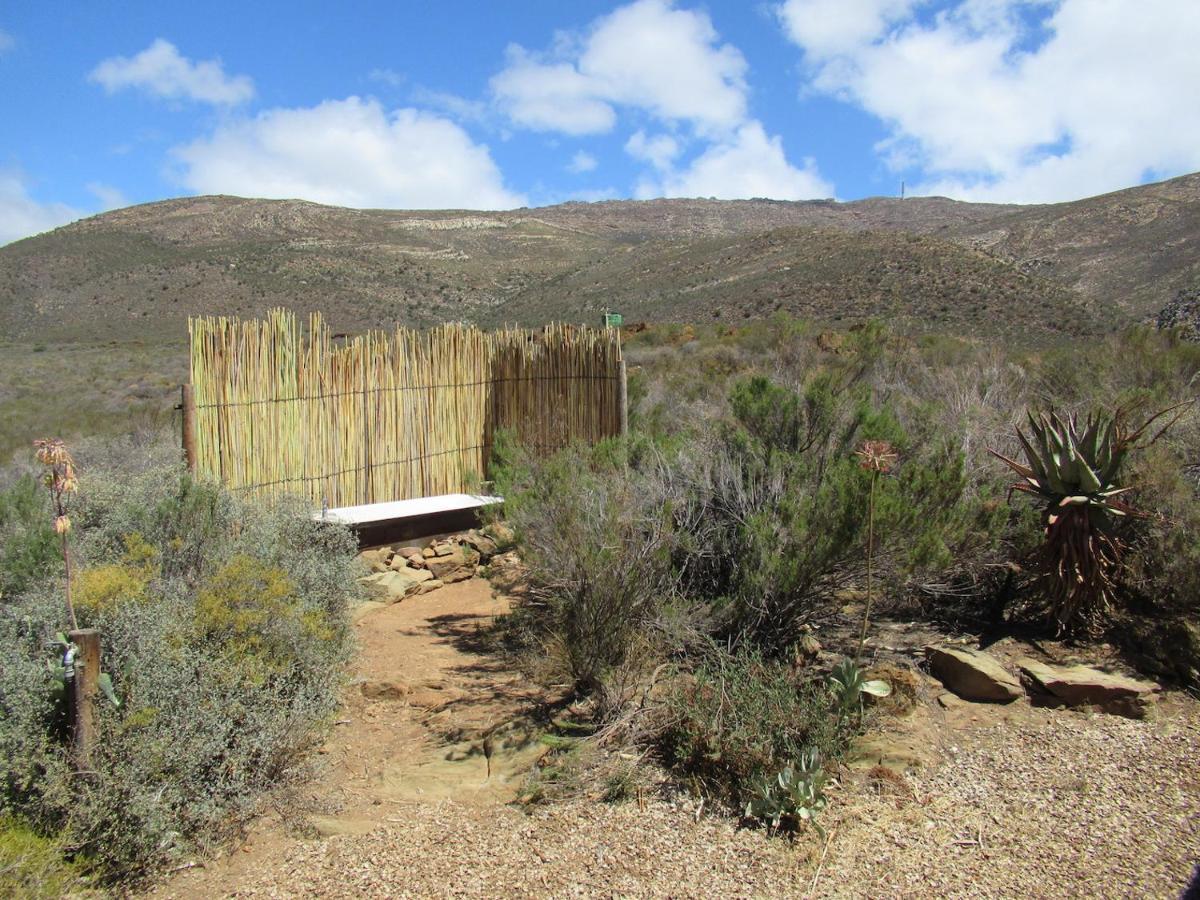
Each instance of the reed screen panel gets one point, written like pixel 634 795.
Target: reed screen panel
pixel 389 415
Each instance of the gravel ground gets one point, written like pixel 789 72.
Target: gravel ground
pixel 1007 801
pixel 1051 804
pixel 1028 803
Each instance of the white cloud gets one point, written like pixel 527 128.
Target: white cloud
pixel 554 97
pixel 986 112
pixel 660 151
pixel 670 66
pixel 109 196
pixel 749 164
pixel 161 70
pixel 6 42
pixel 348 153
pixel 582 162
pixel 646 55
pixel 21 215
pixel 826 27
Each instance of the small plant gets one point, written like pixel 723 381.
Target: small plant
pixel 848 682
pixel 793 797
pixel 1073 467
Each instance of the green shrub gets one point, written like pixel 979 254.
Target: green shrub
pixel 597 536
pixel 32 866
pixel 28 545
pixel 225 630
pixel 740 718
pixel 252 610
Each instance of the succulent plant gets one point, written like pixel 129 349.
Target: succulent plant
pixel 848 682
pixel 794 796
pixel 1073 467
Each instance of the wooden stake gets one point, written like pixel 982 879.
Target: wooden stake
pixel 82 695
pixel 188 405
pixel 623 397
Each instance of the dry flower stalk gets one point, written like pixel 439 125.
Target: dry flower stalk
pixel 60 481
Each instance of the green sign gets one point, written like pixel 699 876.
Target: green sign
pixel 613 320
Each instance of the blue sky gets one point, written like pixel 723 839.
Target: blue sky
pixel 493 105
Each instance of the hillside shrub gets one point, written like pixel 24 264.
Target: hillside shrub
pixel 225 631
pixel 28 544
pixel 597 535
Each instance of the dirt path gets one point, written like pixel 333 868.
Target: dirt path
pixel 1009 800
pixel 428 717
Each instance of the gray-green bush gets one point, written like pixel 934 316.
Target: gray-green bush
pixel 225 630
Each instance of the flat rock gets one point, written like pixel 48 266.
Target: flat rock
pixel 1080 685
pixel 431 585
pixel 384 690
pixel 454 566
pixel 329 826
pixel 400 584
pixel 900 753
pixel 481 544
pixel 949 700
pixel 365 608
pixel 973 674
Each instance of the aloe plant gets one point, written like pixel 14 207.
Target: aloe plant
pixel 1073 467
pixel 848 682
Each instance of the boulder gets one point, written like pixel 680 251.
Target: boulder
pixel 973 674
pixel 481 544
pixel 458 565
pixel 1084 686
pixel 501 534
pixel 416 560
pixel 400 584
pixel 432 585
pixel 409 551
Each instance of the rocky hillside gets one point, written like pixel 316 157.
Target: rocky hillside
pixel 1077 267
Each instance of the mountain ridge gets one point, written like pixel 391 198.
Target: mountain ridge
pixel 1080 267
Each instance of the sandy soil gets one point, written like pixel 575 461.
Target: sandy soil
pixel 1001 801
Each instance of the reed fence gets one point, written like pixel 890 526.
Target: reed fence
pixel 273 408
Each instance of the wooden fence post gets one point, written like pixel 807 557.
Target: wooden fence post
pixel 82 695
pixel 623 398
pixel 188 405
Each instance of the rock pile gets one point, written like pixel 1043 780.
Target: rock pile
pixel 403 570
pixel 978 676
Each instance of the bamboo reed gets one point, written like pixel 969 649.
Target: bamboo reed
pixel 389 416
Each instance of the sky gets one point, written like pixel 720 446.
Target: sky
pixel 495 105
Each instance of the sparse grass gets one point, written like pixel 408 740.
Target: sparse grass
pixel 74 390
